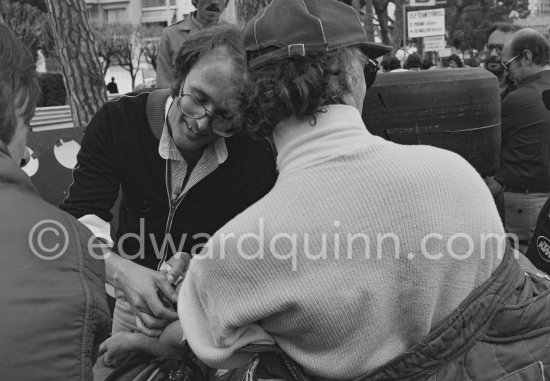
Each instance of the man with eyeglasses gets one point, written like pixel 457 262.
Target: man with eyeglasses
pixel 182 171
pixel 524 170
pixel 498 35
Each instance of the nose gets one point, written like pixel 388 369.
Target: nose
pixel 494 53
pixel 203 124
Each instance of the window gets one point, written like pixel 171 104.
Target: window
pixel 115 15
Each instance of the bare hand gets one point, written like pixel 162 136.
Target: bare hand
pixel 122 345
pixel 140 286
pixel 175 271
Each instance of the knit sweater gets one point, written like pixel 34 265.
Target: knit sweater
pixel 308 267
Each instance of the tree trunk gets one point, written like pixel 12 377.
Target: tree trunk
pixel 368 20
pixel 82 72
pixel 399 26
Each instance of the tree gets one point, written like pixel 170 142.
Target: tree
pixel 467 21
pixel 150 44
pixel 80 64
pixel 30 25
pixel 129 54
pixel 40 4
pixel 109 40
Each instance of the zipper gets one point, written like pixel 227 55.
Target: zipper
pixel 172 207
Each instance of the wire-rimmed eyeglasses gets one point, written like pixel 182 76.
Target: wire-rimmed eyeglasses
pixel 192 108
pixel 506 65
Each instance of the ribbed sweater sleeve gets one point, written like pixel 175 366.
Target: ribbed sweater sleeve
pixel 359 250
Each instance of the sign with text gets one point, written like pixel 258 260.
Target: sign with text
pixel 422 3
pixel 429 22
pixel 445 52
pixel 433 44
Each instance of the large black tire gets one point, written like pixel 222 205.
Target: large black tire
pixel 454 109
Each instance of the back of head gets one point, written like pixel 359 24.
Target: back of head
pixel 18 82
pixel 204 42
pixel 456 59
pixel 413 61
pixel 300 56
pixel 426 64
pixel 391 63
pixel 536 43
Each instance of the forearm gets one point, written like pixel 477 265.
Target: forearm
pixel 171 338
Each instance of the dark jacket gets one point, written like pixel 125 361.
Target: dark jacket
pixel 525 155
pixel 500 332
pixel 120 149
pixel 54 308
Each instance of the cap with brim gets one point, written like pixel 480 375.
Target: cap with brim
pixel 289 28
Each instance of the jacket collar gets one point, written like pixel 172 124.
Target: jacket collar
pixel 155 110
pixel 11 174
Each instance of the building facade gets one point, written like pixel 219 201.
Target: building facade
pixel 145 12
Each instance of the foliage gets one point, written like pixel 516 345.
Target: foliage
pixel 30 25
pixel 467 21
pixel 53 89
pixel 150 40
pixel 40 4
pixel 125 45
pixel 110 40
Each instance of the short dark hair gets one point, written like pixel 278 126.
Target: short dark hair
pixel 18 82
pixel 390 63
pixel 413 61
pixel 536 43
pixel 456 59
pixel 204 42
pixel 297 86
pixel 503 27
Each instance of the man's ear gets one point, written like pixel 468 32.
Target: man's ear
pixel 528 55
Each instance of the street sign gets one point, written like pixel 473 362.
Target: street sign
pixel 433 44
pixel 422 3
pixel 429 22
pixel 445 52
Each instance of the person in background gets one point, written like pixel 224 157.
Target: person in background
pixel 426 64
pixel 413 62
pixel 112 87
pixel 51 289
pixel 497 35
pixel 524 170
pixel 173 36
pixel 390 64
pixel 182 170
pixel 291 274
pixel 454 61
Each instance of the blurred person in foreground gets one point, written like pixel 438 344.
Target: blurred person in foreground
pixel 52 290
pixel 207 14
pixel 305 269
pixel 524 170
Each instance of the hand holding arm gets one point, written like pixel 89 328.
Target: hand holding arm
pixel 140 286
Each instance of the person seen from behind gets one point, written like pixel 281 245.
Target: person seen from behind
pixel 301 269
